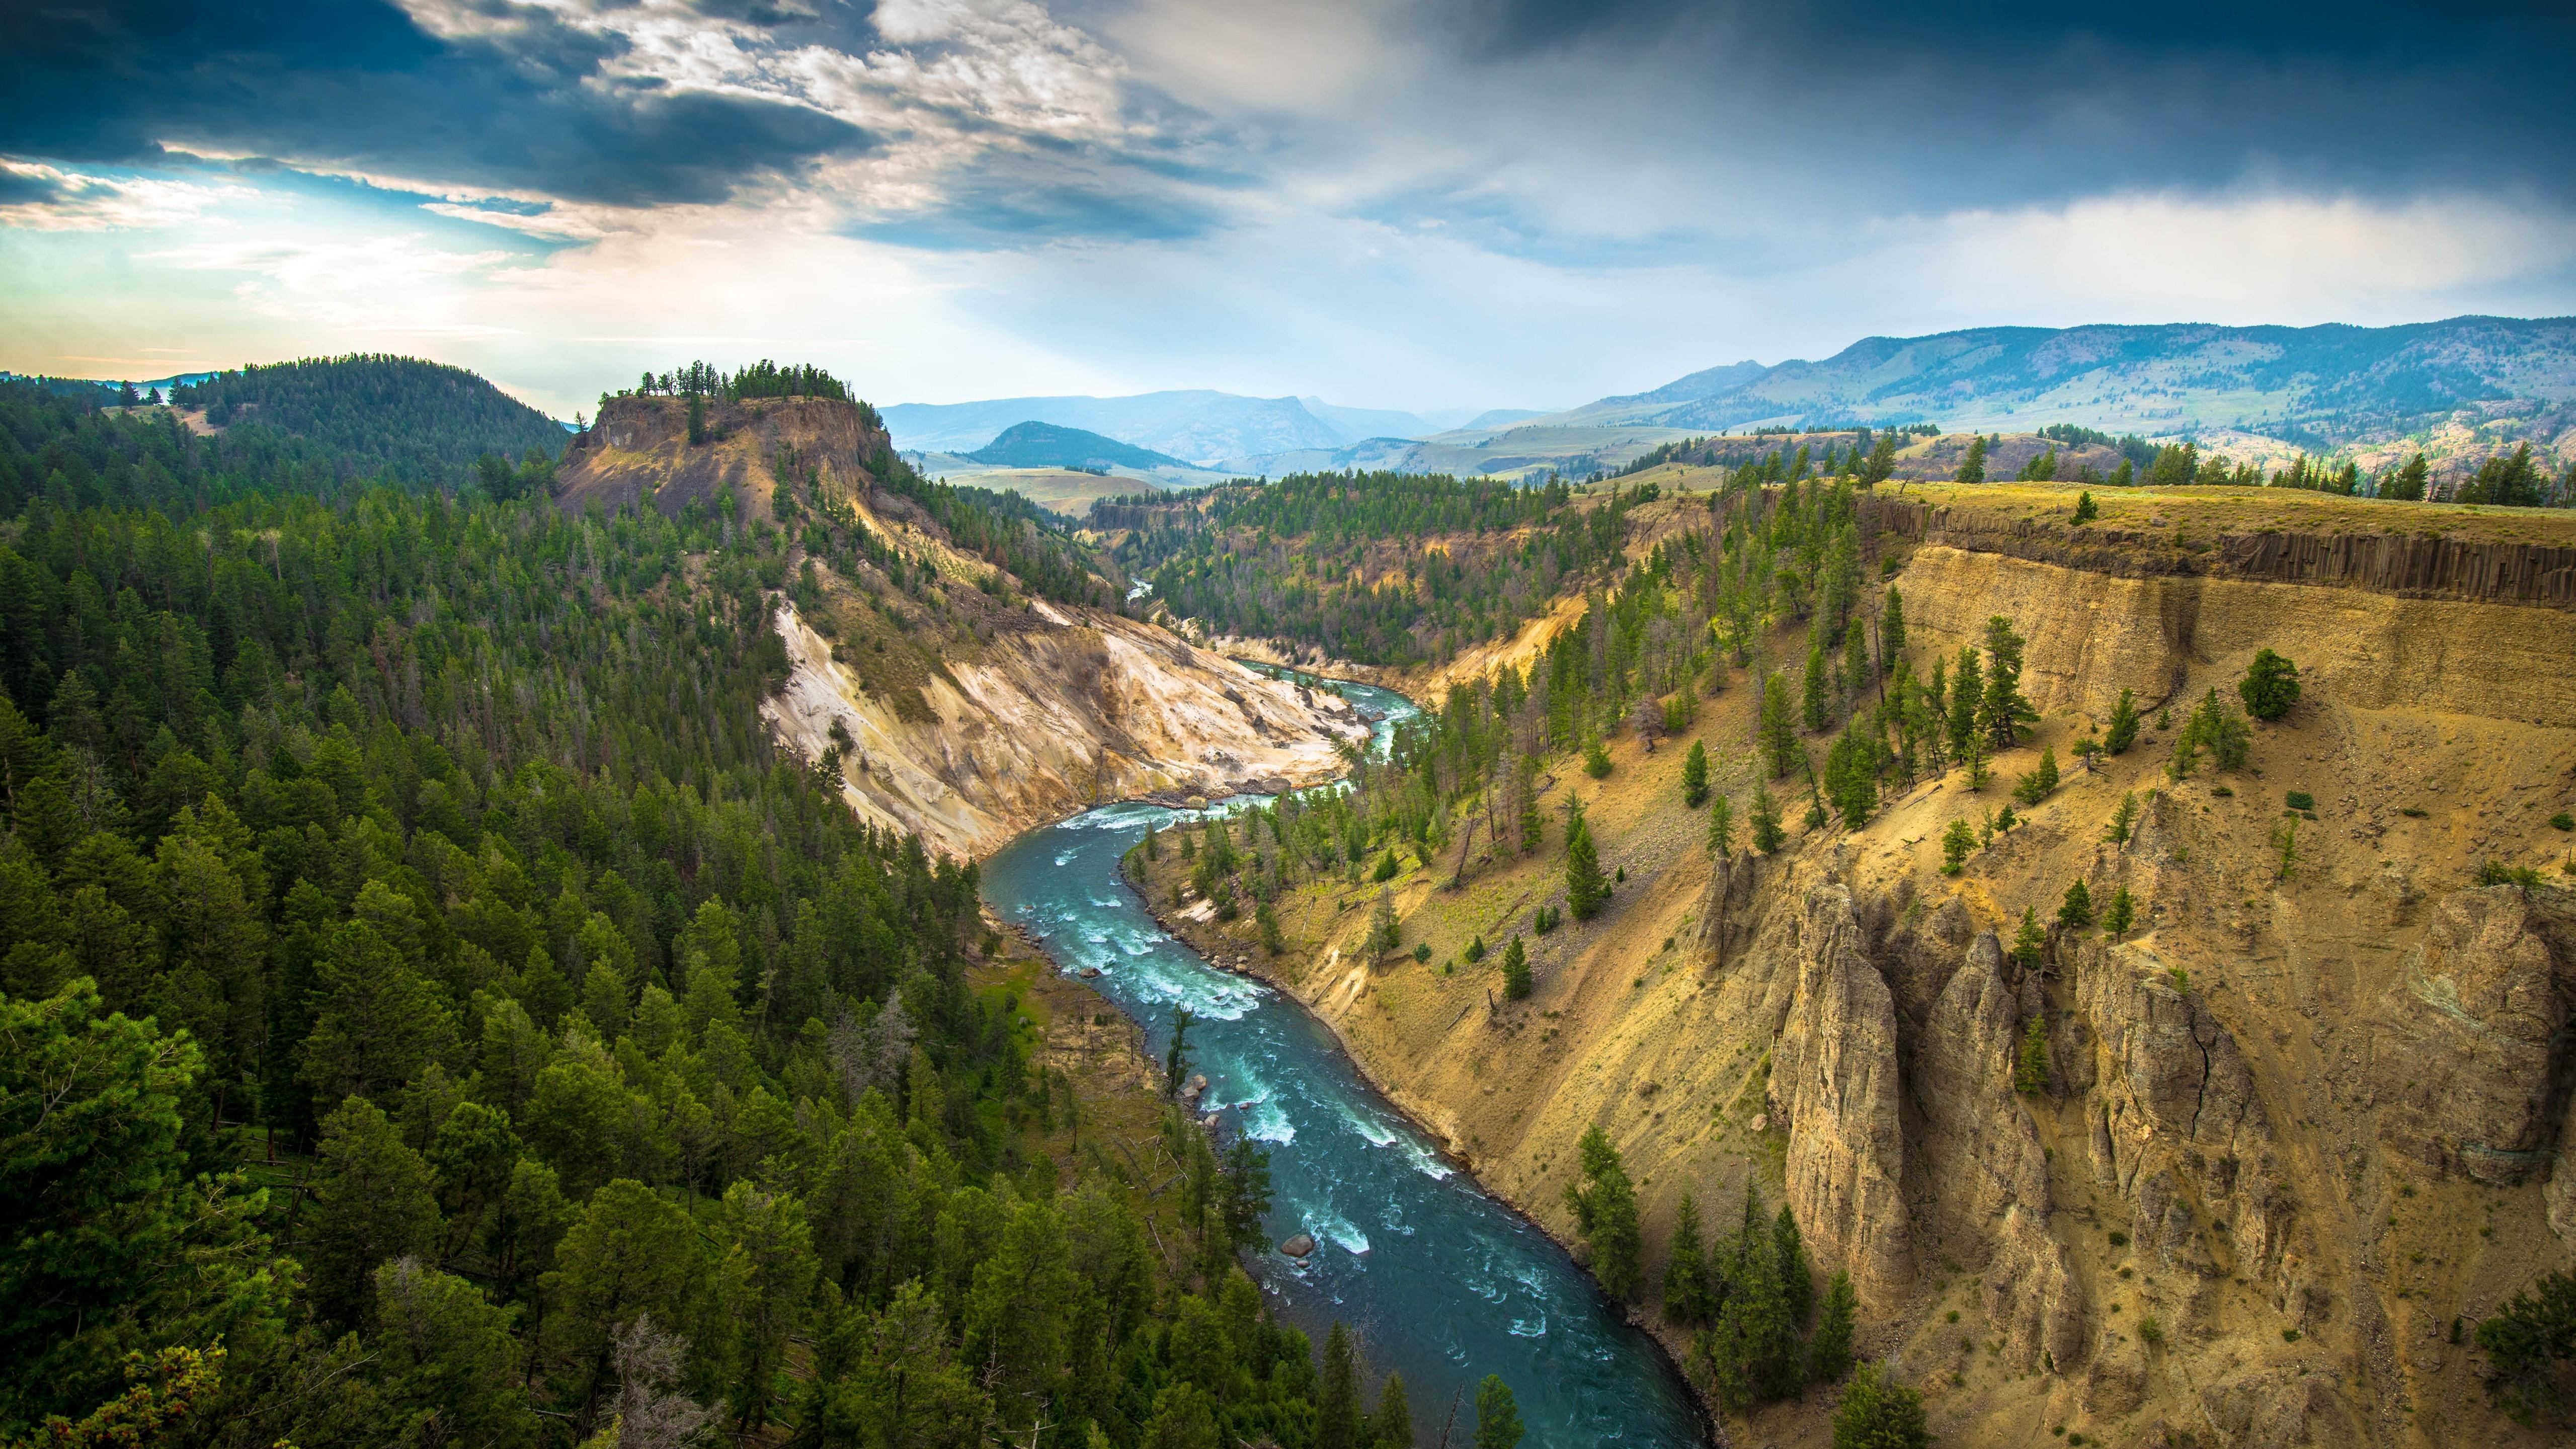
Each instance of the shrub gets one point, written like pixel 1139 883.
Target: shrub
pixel 1879 1411
pixel 2563 821
pixel 1422 951
pixel 2495 873
pixel 2301 800
pixel 2525 1342
pixel 2150 1332
pixel 2270 685
pixel 2119 1239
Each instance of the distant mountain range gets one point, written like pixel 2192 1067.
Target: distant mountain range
pixel 2324 386
pixel 1204 428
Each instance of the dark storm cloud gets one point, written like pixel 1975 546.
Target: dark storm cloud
pixel 355 83
pixel 2004 103
pixel 19 188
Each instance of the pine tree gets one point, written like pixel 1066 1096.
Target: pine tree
pixel 1789 1250
pixel 1176 1057
pixel 1686 1272
pixel 1956 842
pixel 2123 729
pixel 2122 914
pixel 2075 913
pixel 1972 468
pixel 1779 734
pixel 1721 827
pixel 1498 1417
pixel 2042 779
pixel 1596 760
pixel 1384 934
pixel 2002 709
pixel 2030 943
pixel 1891 631
pixel 373 1201
pixel 1337 1405
pixel 1391 1427
pixel 1532 822
pixel 1829 1352
pixel 1585 888
pixel 1604 1204
pixel 2030 1065
pixel 1855 668
pixel 1695 775
pixel 1816 685
pixel 2123 819
pixel 1966 691
pixel 2086 510
pixel 1516 970
pixel 1266 918
pixel 1851 776
pixel 1880 1412
pixel 1767 834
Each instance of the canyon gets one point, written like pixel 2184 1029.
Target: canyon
pixel 2304 1124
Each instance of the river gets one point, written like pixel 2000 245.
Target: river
pixel 1437 1280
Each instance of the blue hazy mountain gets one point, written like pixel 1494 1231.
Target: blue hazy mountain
pixel 1050 445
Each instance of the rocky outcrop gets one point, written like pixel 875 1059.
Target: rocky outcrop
pixel 1996 1177
pixel 2419 565
pixel 2175 1125
pixel 2470 1057
pixel 2092 634
pixel 1834 1084
pixel 1726 908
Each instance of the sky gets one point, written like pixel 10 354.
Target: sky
pixel 1422 204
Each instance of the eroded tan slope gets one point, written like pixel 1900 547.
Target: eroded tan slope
pixel 968 714
pixel 2321 1110
pixel 1042 721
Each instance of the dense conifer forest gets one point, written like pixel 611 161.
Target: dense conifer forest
pixel 1337 560
pixel 433 1011
pixel 383 416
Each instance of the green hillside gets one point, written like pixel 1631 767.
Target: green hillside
pixel 420 417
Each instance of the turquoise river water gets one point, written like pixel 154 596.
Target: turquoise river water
pixel 1437 1279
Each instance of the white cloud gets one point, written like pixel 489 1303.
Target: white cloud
pixel 83 202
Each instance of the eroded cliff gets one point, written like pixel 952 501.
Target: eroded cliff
pixel 2302 1124
pixel 953 704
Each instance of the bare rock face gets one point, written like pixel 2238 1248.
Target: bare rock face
pixel 1998 1172
pixel 1725 912
pixel 2175 1125
pixel 1834 1082
pixel 2468 1061
pixel 2278 1406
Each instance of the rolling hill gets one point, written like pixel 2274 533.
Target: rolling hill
pixel 1048 445
pixel 412 414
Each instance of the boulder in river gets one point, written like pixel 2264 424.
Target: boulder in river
pixel 1298 1246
